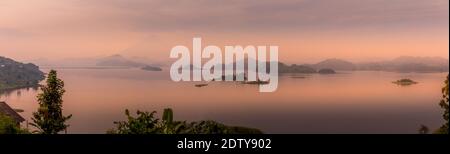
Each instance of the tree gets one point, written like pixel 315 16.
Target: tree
pixel 49 118
pixel 9 126
pixel 444 105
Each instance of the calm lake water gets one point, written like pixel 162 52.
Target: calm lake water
pixel 348 102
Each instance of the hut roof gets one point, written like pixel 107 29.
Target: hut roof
pixel 8 111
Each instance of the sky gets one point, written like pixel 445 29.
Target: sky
pixel 304 30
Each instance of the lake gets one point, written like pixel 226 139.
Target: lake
pixel 347 102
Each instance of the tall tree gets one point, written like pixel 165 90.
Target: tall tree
pixel 49 118
pixel 444 105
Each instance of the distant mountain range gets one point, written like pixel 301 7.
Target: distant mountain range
pixel 118 61
pixel 110 61
pixel 335 64
pixel 400 64
pixel 294 68
pixel 409 64
pixel 16 75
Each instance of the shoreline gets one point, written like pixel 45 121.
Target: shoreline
pixel 18 87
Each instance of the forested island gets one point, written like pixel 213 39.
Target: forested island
pixel 151 68
pixel 404 82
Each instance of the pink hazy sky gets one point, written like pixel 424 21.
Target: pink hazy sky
pixel 304 30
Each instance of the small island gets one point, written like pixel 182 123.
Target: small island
pixel 327 71
pixel 151 68
pixel 298 77
pixel 405 82
pixel 223 78
pixel 256 82
pixel 201 85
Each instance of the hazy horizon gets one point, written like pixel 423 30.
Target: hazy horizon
pixel 80 61
pixel 306 31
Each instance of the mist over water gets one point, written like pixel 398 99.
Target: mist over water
pixel 347 102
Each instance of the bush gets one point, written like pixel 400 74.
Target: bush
pixel 9 126
pixel 146 123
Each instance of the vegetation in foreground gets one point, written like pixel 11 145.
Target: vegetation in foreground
pixel 9 126
pixel 49 118
pixel 444 105
pixel 146 123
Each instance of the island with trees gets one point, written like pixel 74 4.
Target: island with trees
pixel 151 68
pixel 405 82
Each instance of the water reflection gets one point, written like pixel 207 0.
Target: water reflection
pixel 347 102
pixel 18 92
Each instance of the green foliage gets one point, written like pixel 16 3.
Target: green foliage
pixel 168 115
pixel 146 123
pixel 207 127
pixel 444 105
pixel 9 126
pixel 168 126
pixel 49 118
pixel 243 130
pixel 212 127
